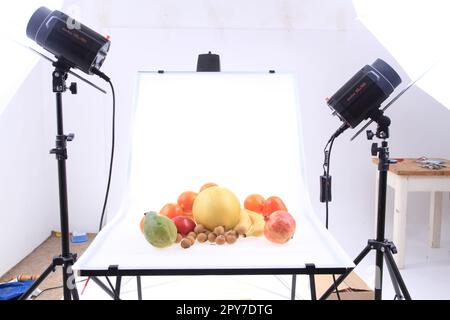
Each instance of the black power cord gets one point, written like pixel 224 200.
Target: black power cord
pixel 326 179
pixel 55 288
pixel 326 185
pixel 113 143
pixel 326 194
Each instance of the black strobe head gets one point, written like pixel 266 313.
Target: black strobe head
pixel 74 43
pixel 363 94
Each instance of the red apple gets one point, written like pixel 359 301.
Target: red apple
pixel 280 227
pixel 184 225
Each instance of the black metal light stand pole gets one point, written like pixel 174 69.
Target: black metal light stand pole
pixel 384 248
pixel 66 259
pixel 383 167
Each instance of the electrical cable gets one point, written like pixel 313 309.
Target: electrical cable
pixel 113 142
pixel 326 172
pixel 56 288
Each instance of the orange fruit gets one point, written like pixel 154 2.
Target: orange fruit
pixel 186 201
pixel 208 185
pixel 172 210
pixel 255 203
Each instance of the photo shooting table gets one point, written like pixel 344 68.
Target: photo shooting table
pixel 408 176
pixel 240 130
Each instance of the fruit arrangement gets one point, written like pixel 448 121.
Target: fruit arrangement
pixel 215 216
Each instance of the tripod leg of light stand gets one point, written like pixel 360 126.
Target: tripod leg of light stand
pixel 379 275
pixel 75 294
pixel 66 290
pixel 44 275
pixel 398 292
pixel 71 283
pixel 339 280
pixel 396 273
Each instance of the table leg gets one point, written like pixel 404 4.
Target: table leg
pixel 139 287
pixel 435 220
pixel 401 204
pixel 294 287
pixel 312 286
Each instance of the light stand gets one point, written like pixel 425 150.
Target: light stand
pixel 66 259
pixel 384 248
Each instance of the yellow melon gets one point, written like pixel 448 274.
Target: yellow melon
pixel 215 207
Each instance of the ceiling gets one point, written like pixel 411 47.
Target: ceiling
pixel 234 14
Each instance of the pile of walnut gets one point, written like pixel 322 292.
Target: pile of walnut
pixel 219 236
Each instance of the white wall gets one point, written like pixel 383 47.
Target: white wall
pixel 27 211
pixel 319 40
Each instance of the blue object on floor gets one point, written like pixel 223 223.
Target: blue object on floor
pixel 13 290
pixel 80 238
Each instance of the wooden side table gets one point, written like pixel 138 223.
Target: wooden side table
pixel 407 176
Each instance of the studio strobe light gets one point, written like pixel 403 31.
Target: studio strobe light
pixel 358 100
pixel 79 46
pixel 75 46
pixel 363 94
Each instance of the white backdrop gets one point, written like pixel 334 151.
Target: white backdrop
pixel 240 130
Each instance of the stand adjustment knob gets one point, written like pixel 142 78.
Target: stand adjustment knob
pixel 370 134
pixel 73 88
pixel 375 149
pixel 392 247
pixel 70 137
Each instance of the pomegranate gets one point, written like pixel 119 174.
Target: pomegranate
pixel 280 227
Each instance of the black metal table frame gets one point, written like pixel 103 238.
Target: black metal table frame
pixel 114 271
